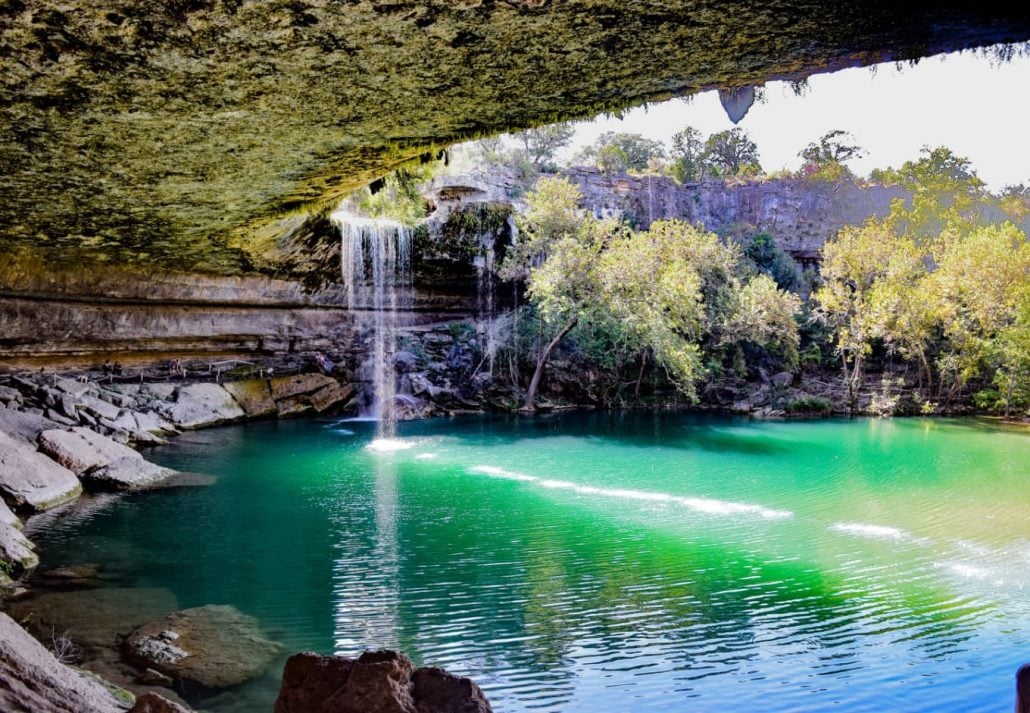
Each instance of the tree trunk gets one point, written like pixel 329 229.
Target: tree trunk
pixel 541 362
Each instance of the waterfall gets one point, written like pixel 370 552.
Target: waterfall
pixel 375 266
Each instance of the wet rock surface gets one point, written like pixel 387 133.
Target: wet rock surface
pixel 153 703
pixel 215 646
pixel 128 473
pixel 32 680
pixel 375 682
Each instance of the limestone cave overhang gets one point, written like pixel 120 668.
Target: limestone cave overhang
pixel 202 134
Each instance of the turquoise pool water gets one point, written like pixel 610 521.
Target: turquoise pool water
pixel 608 562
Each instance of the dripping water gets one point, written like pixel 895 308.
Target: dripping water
pixel 375 266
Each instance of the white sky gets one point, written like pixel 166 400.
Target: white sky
pixel 979 109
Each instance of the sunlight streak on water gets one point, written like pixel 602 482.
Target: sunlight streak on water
pixel 701 505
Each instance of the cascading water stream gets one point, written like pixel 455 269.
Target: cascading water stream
pixel 375 265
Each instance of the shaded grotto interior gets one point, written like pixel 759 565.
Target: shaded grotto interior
pixel 199 135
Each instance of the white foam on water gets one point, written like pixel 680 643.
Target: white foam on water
pixel 389 445
pixel 878 532
pixel 427 456
pixel 702 505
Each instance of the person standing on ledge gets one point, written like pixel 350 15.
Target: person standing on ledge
pixel 1023 689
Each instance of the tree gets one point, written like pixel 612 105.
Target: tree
pixel 732 153
pixel 542 144
pixel 947 195
pixel 676 287
pixel 622 151
pixel 764 315
pixel 980 283
pixel 833 147
pixel 688 155
pixel 861 267
pixel 558 256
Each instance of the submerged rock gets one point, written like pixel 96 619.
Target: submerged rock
pixel 95 619
pixel 31 481
pixel 153 703
pixel 32 680
pixel 215 646
pixel 375 682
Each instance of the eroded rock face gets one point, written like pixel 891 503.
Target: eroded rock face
pixel 199 405
pixel 375 682
pixel 215 646
pixel 222 116
pixel 30 481
pixel 33 681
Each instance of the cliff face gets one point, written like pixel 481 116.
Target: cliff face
pixel 190 133
pixel 65 314
pixel 802 215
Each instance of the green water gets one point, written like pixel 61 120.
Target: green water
pixel 609 562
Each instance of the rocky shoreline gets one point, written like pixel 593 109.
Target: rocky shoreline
pixel 66 440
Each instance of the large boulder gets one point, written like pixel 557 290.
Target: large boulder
pixel 304 392
pixel 32 482
pixel 215 646
pixel 375 682
pixel 82 450
pixel 32 680
pixel 283 387
pixel 199 405
pixel 254 396
pixel 127 474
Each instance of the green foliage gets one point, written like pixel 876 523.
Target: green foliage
pixel 614 152
pixel 808 406
pixel 954 305
pixel 770 259
pixel 732 153
pixel 833 147
pixel 947 195
pixel 688 156
pixel 399 198
pixel 542 144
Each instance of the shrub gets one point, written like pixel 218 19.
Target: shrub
pixel 809 406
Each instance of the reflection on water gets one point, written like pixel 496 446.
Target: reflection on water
pixel 609 562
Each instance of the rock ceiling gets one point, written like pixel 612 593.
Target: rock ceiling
pixel 196 133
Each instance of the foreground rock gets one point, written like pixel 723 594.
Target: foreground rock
pixel 375 682
pixel 214 646
pixel 33 681
pixel 82 450
pixel 128 473
pixel 29 481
